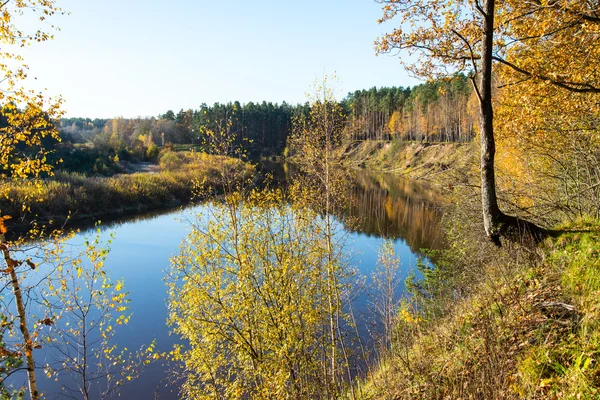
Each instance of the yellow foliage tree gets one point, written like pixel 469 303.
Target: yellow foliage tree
pixel 549 107
pixel 395 124
pixel 27 118
pixel 84 310
pixel 454 36
pixel 323 186
pixel 249 293
pixel 257 290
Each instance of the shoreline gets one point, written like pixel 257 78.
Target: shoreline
pixel 69 199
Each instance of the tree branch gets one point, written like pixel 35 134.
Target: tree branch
pixel 576 87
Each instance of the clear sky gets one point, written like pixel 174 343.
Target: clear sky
pixel 143 57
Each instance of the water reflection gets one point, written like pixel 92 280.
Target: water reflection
pixel 384 205
pixel 394 207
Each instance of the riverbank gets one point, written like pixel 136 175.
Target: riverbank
pixel 489 323
pixel 76 197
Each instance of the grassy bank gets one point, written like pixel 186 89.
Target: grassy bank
pixel 173 183
pixel 501 325
pixel 488 323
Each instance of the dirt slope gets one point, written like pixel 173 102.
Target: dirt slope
pixel 427 161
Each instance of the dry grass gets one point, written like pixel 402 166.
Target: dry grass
pixel 505 332
pixel 489 323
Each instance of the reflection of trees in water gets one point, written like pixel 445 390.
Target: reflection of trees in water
pixel 386 205
pixel 383 205
pixel 390 206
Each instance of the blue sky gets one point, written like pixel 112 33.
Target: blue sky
pixel 142 57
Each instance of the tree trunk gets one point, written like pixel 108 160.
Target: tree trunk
pixel 489 202
pixel 496 223
pixel 11 266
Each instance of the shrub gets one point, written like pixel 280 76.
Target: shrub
pixel 170 160
pixel 152 152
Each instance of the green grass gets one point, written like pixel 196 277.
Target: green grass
pixel 568 367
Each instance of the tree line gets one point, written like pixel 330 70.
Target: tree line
pixel 434 111
pixel 437 111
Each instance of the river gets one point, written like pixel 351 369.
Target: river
pixel 388 206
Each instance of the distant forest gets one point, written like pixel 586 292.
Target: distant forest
pixel 433 111
pixel 440 111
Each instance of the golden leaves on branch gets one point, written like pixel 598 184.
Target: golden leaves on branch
pixel 443 35
pixel 27 118
pixel 12 37
pixel 548 107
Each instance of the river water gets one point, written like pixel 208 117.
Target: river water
pixel 388 206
